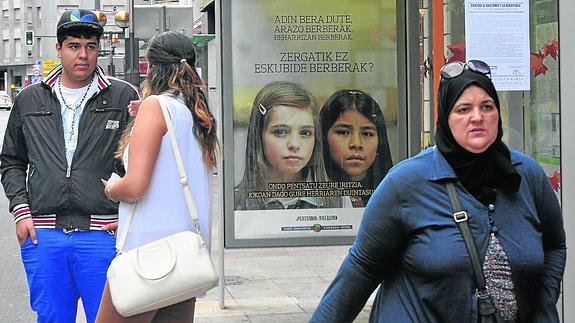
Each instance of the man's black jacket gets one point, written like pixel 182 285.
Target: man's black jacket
pixel 33 159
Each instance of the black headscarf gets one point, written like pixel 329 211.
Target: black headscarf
pixel 479 173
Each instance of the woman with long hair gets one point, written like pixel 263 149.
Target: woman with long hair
pixel 283 145
pixel 152 179
pixel 355 140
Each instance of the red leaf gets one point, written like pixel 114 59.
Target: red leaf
pixel 551 49
pixel 555 180
pixel 537 64
pixel 555 44
pixel 458 51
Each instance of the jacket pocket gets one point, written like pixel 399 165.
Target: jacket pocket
pixel 32 185
pixel 104 110
pixel 31 171
pixel 38 114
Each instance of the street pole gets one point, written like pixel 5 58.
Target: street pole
pixel 132 51
pixel 163 19
pixel 111 67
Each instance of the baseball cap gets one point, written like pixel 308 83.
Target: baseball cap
pixel 79 19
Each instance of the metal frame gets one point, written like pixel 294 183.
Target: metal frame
pixel 410 96
pixel 567 98
pixel 409 132
pixel 219 103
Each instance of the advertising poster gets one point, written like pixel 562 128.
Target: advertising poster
pixel 314 113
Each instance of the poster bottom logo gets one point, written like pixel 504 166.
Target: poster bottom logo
pixel 318 227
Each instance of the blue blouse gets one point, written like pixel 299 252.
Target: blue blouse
pixel 409 243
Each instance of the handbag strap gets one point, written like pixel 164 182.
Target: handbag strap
pixel 484 302
pixel 192 209
pixel 461 218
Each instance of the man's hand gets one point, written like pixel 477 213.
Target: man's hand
pixel 111 227
pixel 25 228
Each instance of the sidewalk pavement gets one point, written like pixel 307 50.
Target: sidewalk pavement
pixel 274 285
pixel 268 285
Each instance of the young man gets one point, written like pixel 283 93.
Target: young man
pixel 59 144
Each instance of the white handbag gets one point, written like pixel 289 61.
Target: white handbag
pixel 166 271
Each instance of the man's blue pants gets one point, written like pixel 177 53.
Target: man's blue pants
pixel 66 266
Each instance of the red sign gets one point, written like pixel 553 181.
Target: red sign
pixel 143 67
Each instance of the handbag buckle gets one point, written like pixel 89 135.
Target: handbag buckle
pixel 184 181
pixel 197 226
pixel 485 303
pixel 482 293
pixel 460 216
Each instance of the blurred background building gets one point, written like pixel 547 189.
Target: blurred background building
pixel 28 29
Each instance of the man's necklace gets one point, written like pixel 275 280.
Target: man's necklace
pixel 71 132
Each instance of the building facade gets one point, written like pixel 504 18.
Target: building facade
pixel 22 64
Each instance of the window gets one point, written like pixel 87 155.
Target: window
pixel 18 48
pixel 6 47
pixel 29 16
pixel 17 14
pixel 5 17
pixel 39 16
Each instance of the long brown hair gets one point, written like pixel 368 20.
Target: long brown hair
pixel 255 176
pixel 172 56
pixel 353 99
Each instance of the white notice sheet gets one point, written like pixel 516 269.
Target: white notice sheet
pixel 497 32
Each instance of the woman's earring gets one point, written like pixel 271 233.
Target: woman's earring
pixel 59 55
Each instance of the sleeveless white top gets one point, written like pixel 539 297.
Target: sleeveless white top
pixel 162 211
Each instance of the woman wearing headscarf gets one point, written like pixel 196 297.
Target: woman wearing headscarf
pixel 410 244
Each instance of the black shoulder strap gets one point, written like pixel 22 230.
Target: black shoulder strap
pixel 461 218
pixel 486 308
